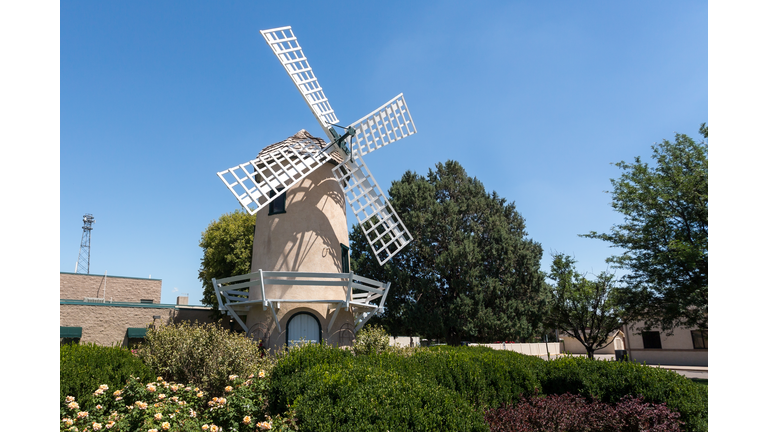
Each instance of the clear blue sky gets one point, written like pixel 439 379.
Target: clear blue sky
pixel 535 99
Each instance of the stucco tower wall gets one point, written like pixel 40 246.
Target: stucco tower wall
pixel 306 238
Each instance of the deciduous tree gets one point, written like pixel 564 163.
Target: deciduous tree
pixel 227 250
pixel 583 309
pixel 664 234
pixel 470 272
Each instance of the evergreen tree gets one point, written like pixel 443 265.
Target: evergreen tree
pixel 470 273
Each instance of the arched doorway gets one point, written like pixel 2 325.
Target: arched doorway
pixel 302 326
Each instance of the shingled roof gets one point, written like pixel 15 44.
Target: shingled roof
pixel 297 139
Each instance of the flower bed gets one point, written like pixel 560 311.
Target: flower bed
pixel 167 406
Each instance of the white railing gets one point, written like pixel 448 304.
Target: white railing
pixel 360 293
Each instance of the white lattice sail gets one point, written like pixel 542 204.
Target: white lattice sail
pixel 383 228
pixel 385 125
pixel 278 167
pixel 287 49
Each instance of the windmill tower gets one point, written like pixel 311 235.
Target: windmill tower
pixel 301 286
pixel 83 264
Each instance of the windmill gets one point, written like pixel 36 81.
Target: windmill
pixel 298 188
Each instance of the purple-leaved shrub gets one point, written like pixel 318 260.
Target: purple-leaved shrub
pixel 572 413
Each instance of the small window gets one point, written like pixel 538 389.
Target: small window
pixel 699 339
pixel 344 258
pixel 146 301
pixel 651 340
pixel 277 205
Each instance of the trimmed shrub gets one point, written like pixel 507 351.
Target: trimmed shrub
pixel 610 381
pixel 83 368
pixel 291 363
pixel 331 390
pixel 482 378
pixel 574 413
pixel 201 354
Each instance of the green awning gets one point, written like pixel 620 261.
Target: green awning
pixel 136 333
pixel 71 332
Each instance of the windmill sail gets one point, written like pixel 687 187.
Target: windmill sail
pixel 274 171
pixel 279 166
pixel 287 49
pixel 385 125
pixel 383 228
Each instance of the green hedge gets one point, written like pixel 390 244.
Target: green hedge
pixel 332 390
pixel 354 396
pixel 436 389
pixel 83 368
pixel 484 377
pixel 334 387
pixel 609 381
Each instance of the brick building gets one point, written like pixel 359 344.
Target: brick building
pixel 109 310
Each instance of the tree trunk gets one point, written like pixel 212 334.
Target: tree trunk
pixel 590 352
pixel 454 338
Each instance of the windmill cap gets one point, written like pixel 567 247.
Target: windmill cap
pixel 301 135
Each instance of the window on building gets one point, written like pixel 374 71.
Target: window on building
pixel 699 339
pixel 277 205
pixel 344 258
pixel 651 340
pixel 146 301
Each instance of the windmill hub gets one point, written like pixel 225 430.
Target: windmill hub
pixel 338 140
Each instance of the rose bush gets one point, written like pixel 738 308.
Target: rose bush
pixel 168 406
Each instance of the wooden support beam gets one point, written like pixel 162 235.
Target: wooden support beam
pixel 333 318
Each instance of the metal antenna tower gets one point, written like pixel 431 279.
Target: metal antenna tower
pixel 84 260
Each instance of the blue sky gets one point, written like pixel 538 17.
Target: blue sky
pixel 534 99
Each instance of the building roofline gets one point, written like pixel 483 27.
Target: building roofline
pixel 118 304
pixel 109 276
pixel 134 304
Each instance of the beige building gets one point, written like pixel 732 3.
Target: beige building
pixel 109 310
pixel 685 347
